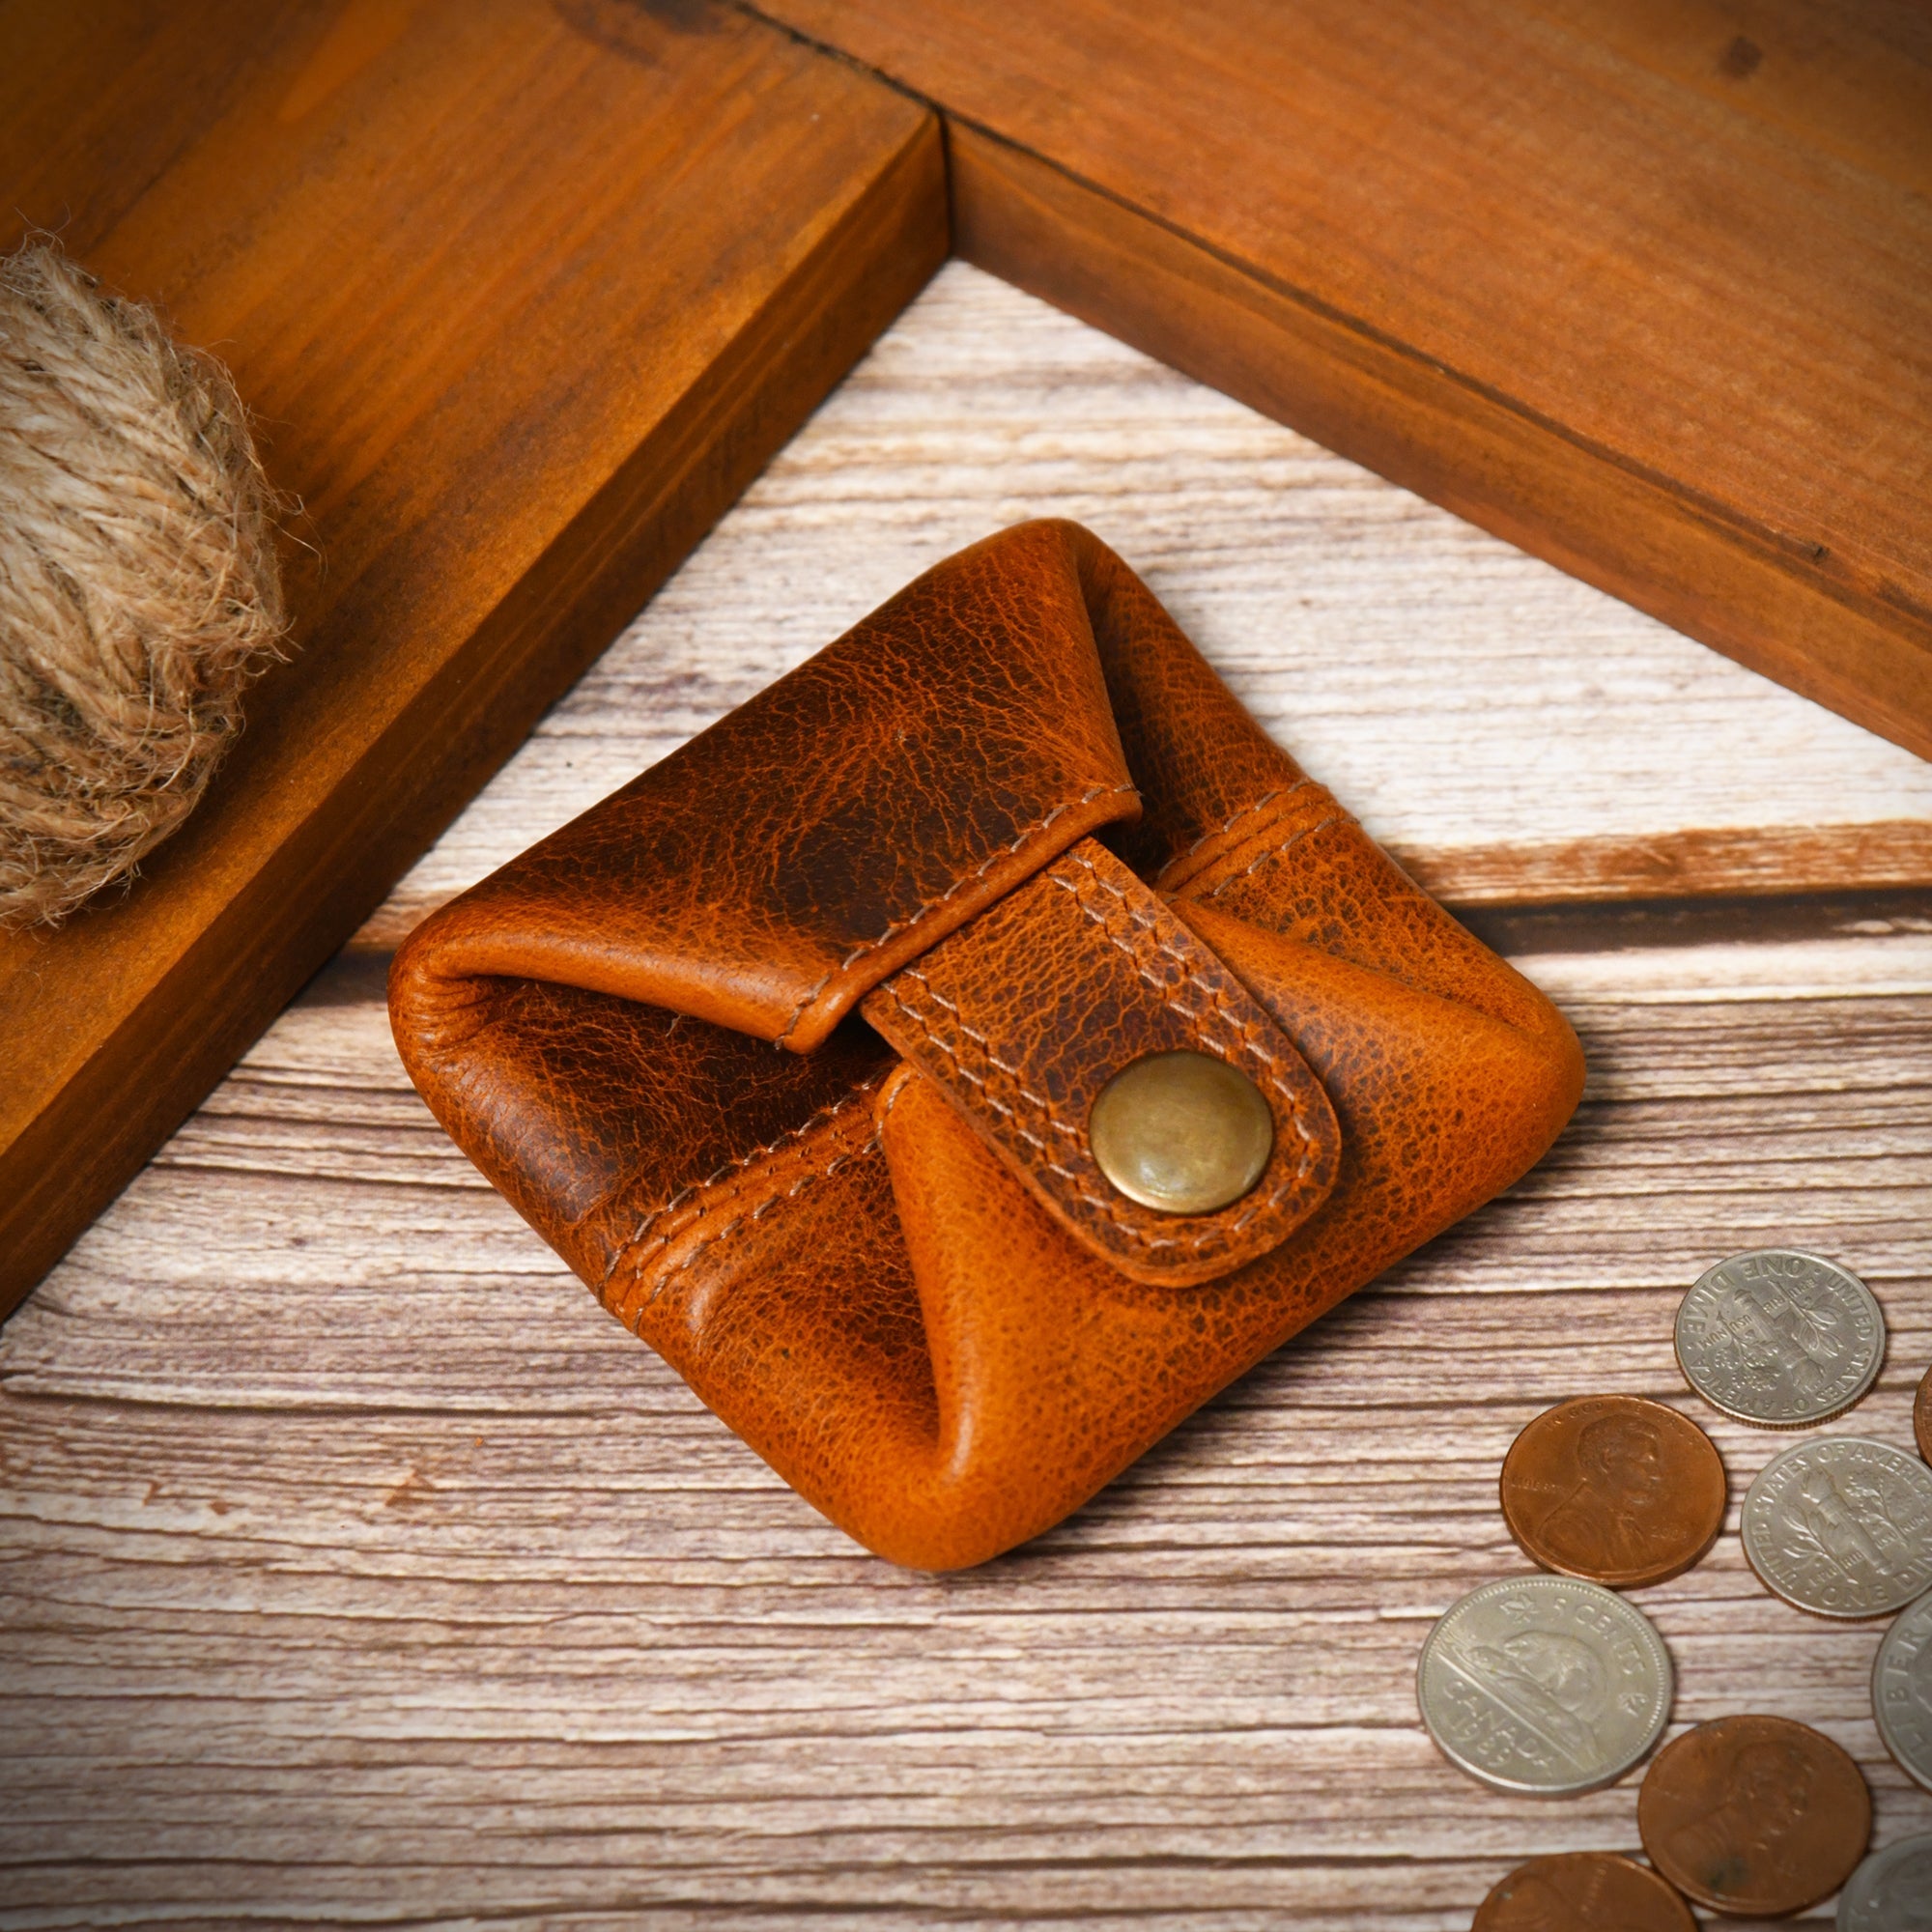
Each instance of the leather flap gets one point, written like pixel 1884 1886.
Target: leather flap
pixel 1022 1017
pixel 832 827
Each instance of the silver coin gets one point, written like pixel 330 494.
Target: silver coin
pixel 1843 1526
pixel 1902 1693
pixel 1543 1686
pixel 1892 1892
pixel 1779 1339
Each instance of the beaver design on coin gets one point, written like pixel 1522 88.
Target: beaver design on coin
pixel 1584 1891
pixel 1754 1815
pixel 1902 1693
pixel 1779 1339
pixel 1545 1687
pixel 1841 1526
pixel 1892 1892
pixel 1922 1417
pixel 1613 1487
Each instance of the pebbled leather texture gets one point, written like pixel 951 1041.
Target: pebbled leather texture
pixel 1006 834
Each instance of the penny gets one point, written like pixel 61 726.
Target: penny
pixel 1779 1339
pixel 1754 1815
pixel 1613 1487
pixel 1584 1891
pixel 1892 1892
pixel 1543 1686
pixel 1841 1526
pixel 1902 1693
pixel 1922 1417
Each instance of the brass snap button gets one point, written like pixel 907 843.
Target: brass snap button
pixel 1182 1133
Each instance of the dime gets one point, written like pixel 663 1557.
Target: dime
pixel 1613 1487
pixel 1754 1815
pixel 1584 1891
pixel 1542 1685
pixel 1902 1693
pixel 1843 1526
pixel 1922 1417
pixel 1892 1892
pixel 1779 1339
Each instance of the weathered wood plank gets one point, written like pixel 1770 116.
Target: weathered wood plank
pixel 361 1568
pixel 1514 735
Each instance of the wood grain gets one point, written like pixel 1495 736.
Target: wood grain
pixel 523 296
pixel 1642 287
pixel 361 1569
pixel 1515 737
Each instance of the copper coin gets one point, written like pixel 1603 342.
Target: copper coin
pixel 1584 1891
pixel 1613 1487
pixel 1754 1815
pixel 1922 1417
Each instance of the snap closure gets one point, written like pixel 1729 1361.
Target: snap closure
pixel 1182 1133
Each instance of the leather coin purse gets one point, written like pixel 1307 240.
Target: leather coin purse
pixel 972 1053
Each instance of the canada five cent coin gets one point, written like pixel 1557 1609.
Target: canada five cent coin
pixel 1892 1892
pixel 1754 1815
pixel 1543 1686
pixel 1779 1339
pixel 1902 1693
pixel 1843 1526
pixel 1613 1487
pixel 1584 1891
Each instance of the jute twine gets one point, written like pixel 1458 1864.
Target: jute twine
pixel 138 585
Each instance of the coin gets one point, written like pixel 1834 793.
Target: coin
pixel 1542 1685
pixel 1841 1526
pixel 1613 1487
pixel 1892 1892
pixel 1922 1417
pixel 1754 1815
pixel 1780 1338
pixel 1584 1891
pixel 1902 1693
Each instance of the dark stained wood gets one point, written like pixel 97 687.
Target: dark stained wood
pixel 361 1568
pixel 523 296
pixel 1647 293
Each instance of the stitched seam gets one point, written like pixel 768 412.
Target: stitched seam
pixel 1275 851
pixel 958 886
pixel 1206 1025
pixel 1227 825
pixel 1219 1016
pixel 757 1214
pixel 739 1166
pixel 1108 1210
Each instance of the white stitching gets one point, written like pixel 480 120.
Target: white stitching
pixel 758 1213
pixel 828 1114
pixel 1276 851
pixel 958 886
pixel 1206 1024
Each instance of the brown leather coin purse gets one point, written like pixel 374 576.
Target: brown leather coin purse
pixel 792 1049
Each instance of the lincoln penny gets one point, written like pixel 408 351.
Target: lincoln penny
pixel 1584 1891
pixel 1922 1417
pixel 1757 1816
pixel 1613 1487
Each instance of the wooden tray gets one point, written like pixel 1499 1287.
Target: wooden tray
pixel 1646 295
pixel 522 297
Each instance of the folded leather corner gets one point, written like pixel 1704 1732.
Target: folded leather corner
pixel 771 871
